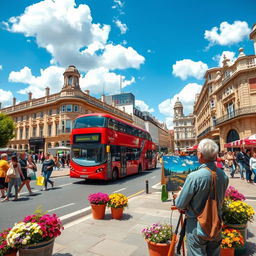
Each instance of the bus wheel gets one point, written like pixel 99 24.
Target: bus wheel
pixel 139 169
pixel 115 174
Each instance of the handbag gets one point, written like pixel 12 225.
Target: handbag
pixel 40 181
pixel 30 172
pixel 33 177
pixel 209 218
pixel 11 172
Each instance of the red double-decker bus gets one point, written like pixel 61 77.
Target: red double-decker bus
pixel 107 148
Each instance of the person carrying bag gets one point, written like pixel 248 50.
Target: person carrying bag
pixel 202 197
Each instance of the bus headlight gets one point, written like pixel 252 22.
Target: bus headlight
pixel 99 170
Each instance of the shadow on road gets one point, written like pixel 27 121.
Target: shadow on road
pixel 111 182
pixel 251 249
pixel 250 234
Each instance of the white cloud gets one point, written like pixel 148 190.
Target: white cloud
pixel 186 68
pixel 119 3
pixel 227 34
pixel 1 67
pixel 123 27
pixel 119 57
pixel 140 104
pixel 187 98
pixel 68 33
pixel 6 98
pixel 228 54
pixel 97 80
pixel 51 77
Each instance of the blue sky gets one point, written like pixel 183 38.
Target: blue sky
pixel 161 48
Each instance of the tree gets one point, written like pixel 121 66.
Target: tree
pixel 7 128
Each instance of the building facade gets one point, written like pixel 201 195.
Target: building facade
pixel 183 126
pixel 225 110
pixel 46 122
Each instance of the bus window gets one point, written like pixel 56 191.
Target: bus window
pixel 90 121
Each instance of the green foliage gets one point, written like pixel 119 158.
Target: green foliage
pixel 7 128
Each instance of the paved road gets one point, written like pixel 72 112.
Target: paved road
pixel 70 195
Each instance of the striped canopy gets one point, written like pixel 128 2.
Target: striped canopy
pixel 246 142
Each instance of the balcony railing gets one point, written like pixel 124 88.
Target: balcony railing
pixel 238 112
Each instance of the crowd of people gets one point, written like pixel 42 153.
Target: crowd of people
pixel 18 172
pixel 62 158
pixel 242 161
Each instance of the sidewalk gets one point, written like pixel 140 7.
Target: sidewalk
pixel 108 237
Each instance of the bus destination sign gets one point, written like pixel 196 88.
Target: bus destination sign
pixel 79 138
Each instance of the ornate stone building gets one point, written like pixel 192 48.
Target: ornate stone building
pixel 184 135
pixel 46 122
pixel 225 109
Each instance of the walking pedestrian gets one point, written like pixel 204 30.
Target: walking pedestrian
pixel 4 166
pixel 193 197
pixel 47 169
pixel 248 172
pixel 24 168
pixel 253 165
pixel 240 162
pixel 231 166
pixel 14 181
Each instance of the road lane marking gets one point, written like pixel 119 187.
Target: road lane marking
pixel 156 186
pixel 135 194
pixel 69 215
pixel 61 207
pixel 153 177
pixel 64 185
pixel 119 190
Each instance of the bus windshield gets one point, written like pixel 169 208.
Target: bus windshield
pixel 88 154
pixel 90 121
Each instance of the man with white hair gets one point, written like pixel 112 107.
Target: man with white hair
pixel 194 195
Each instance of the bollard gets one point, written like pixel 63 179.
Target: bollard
pixel 147 192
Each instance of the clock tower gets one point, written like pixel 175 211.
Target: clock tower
pixel 178 108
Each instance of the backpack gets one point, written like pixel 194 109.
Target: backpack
pixel 209 218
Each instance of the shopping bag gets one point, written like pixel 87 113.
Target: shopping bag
pixel 40 181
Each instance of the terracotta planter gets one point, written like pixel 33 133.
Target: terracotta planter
pixel 39 249
pixel 98 211
pixel 243 230
pixel 157 249
pixel 117 213
pixel 227 251
pixel 12 253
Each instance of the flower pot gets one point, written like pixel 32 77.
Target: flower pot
pixel 242 228
pixel 98 211
pixel 227 251
pixel 157 249
pixel 11 253
pixel 117 213
pixel 39 249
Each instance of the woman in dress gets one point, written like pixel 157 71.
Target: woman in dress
pixel 15 181
pixel 24 168
pixel 47 169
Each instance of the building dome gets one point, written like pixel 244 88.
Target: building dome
pixel 71 68
pixel 178 104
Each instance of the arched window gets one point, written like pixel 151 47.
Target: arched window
pixel 57 144
pixel 49 145
pixel 70 80
pixel 20 146
pixel 26 146
pixel 232 136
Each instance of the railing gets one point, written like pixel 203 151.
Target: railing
pixel 236 113
pixel 204 132
pixel 91 100
pixel 251 63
